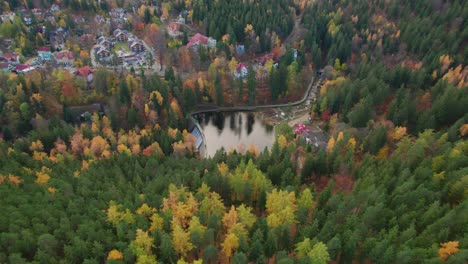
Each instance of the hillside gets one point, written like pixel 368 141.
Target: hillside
pixel 100 161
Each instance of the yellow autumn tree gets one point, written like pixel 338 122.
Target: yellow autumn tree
pixel 447 249
pixel 230 244
pixel 340 136
pixel 115 255
pixel 98 145
pixel 15 180
pixel 142 246
pixel 145 210
pixel 36 146
pixel 143 241
pixel 223 169
pixel 181 239
pixel 282 141
pixel 42 177
pixel 399 132
pixel 196 226
pixel 157 222
pixel 331 145
pixel 281 207
pixel 114 216
pixel 383 153
pixel 464 130
pixel 230 218
pixel 253 150
pixel 232 65
pixel 245 216
pixel 248 28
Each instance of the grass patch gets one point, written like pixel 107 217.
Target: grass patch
pixel 121 46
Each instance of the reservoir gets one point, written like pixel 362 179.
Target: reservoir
pixel 234 130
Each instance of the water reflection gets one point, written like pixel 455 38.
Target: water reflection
pixel 227 130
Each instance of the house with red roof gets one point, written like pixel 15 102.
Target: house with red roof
pixel 23 68
pixel 241 71
pixel 10 58
pixel 64 58
pixel 37 12
pixel 85 72
pixel 200 40
pixel 5 67
pixel 44 53
pixel 173 29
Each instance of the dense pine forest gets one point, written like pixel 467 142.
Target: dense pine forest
pixel 126 185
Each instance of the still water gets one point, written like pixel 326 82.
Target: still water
pixel 234 130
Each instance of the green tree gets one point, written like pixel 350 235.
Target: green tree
pixel 219 90
pixel 124 94
pixel 251 84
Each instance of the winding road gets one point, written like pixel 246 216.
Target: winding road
pixel 309 94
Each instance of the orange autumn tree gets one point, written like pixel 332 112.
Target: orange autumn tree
pixel 447 249
pixel 115 255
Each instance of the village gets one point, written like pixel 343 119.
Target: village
pixel 80 44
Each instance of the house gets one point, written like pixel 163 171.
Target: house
pixel 200 40
pixel 37 12
pixel 197 40
pixel 54 8
pixel 106 42
pixel 41 29
pixel 58 37
pixel 44 53
pixel 136 45
pixel 64 58
pixel 121 35
pixel 27 20
pixel 85 72
pixel 240 49
pixel 49 16
pixel 181 19
pixel 173 29
pixel 99 19
pixel 5 67
pixel 241 71
pixel 124 56
pixel 211 43
pixel 101 51
pixel 7 16
pixel 6 43
pixel 79 19
pixel 23 68
pixel 10 58
pixel 118 13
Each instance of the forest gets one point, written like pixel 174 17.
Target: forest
pixel 125 184
pixel 234 17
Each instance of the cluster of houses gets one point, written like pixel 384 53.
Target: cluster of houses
pixel 129 53
pixel 259 68
pixel 35 19
pixel 28 16
pixel 63 58
pixel 10 62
